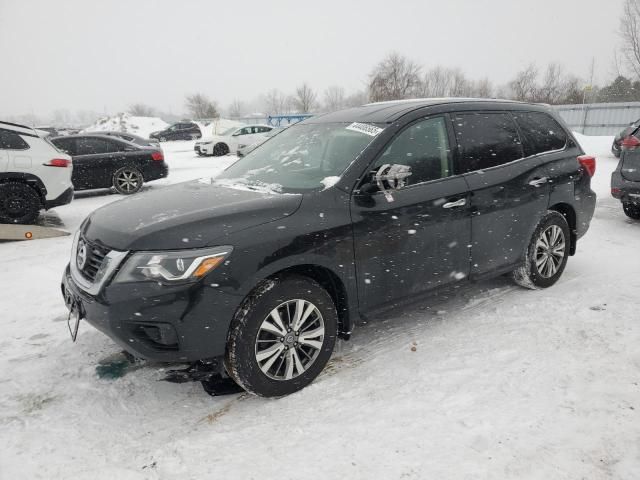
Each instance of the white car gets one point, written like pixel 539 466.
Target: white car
pixel 34 174
pixel 230 140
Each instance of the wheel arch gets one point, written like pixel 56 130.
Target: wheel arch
pixel 569 213
pixel 332 283
pixel 28 178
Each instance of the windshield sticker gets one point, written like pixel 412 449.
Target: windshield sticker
pixel 365 128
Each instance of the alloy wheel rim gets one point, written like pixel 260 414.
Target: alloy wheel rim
pixel 128 181
pixel 550 251
pixel 289 339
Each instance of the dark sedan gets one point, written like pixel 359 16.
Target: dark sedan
pixel 100 161
pixel 616 148
pixel 178 131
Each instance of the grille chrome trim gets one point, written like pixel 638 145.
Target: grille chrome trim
pixel 109 264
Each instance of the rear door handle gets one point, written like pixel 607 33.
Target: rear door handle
pixel 536 182
pixel 458 203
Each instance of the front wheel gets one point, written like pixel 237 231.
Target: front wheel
pixel 547 253
pixel 631 210
pixel 220 149
pixel 127 180
pixel 281 337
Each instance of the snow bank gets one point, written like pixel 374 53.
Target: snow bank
pixel 124 122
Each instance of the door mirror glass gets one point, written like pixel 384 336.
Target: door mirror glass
pixel 391 177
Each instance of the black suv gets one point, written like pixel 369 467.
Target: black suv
pixel 625 180
pixel 178 131
pixel 259 270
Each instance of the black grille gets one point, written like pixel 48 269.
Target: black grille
pixel 95 257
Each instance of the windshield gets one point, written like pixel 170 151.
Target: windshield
pixel 300 158
pixel 229 131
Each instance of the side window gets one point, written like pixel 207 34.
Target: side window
pixel 486 140
pixel 424 146
pixel 10 140
pixel 67 145
pixel 541 132
pixel 92 146
pixel 264 129
pixel 245 131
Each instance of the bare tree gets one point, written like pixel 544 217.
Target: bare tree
pixel 436 82
pixel 236 109
pixel 355 99
pixel 460 86
pixel 524 86
pixel 305 98
pixel 141 110
pixel 630 33
pixel 275 102
pixel 552 89
pixel 483 88
pixel 394 78
pixel 333 98
pixel 200 106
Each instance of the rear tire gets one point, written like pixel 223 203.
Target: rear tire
pixel 127 180
pixel 631 210
pixel 547 254
pixel 19 203
pixel 220 149
pixel 270 353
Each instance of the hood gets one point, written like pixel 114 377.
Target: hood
pixel 186 215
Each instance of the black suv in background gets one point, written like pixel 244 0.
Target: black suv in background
pixel 625 180
pixel 102 161
pixel 178 131
pixel 259 270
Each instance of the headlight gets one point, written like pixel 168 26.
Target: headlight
pixel 172 267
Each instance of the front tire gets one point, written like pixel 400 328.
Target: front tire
pixel 127 180
pixel 19 203
pixel 281 337
pixel 631 210
pixel 220 149
pixel 547 254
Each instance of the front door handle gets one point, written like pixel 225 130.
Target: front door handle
pixel 536 182
pixel 458 203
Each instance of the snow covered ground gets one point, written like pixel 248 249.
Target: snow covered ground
pixel 485 381
pixel 124 122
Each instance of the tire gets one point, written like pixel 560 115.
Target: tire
pixel 631 210
pixel 541 266
pixel 220 149
pixel 254 331
pixel 615 151
pixel 19 203
pixel 127 180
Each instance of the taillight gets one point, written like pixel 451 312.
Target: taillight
pixel 615 192
pixel 157 156
pixel 630 142
pixel 58 162
pixel 588 163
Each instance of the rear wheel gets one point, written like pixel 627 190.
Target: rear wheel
pixel 631 210
pixel 220 149
pixel 282 336
pixel 547 253
pixel 19 203
pixel 127 180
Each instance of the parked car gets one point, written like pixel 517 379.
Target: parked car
pixel 617 141
pixel 231 139
pixel 129 137
pixel 244 149
pixel 101 161
pixel 260 270
pixel 625 180
pixel 34 174
pixel 178 131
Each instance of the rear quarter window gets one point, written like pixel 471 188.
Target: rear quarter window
pixel 542 133
pixel 10 140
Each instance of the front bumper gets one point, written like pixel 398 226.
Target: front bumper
pixel 169 324
pixel 63 199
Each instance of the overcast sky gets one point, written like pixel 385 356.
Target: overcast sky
pixel 105 55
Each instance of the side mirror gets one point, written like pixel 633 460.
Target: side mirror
pixel 391 177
